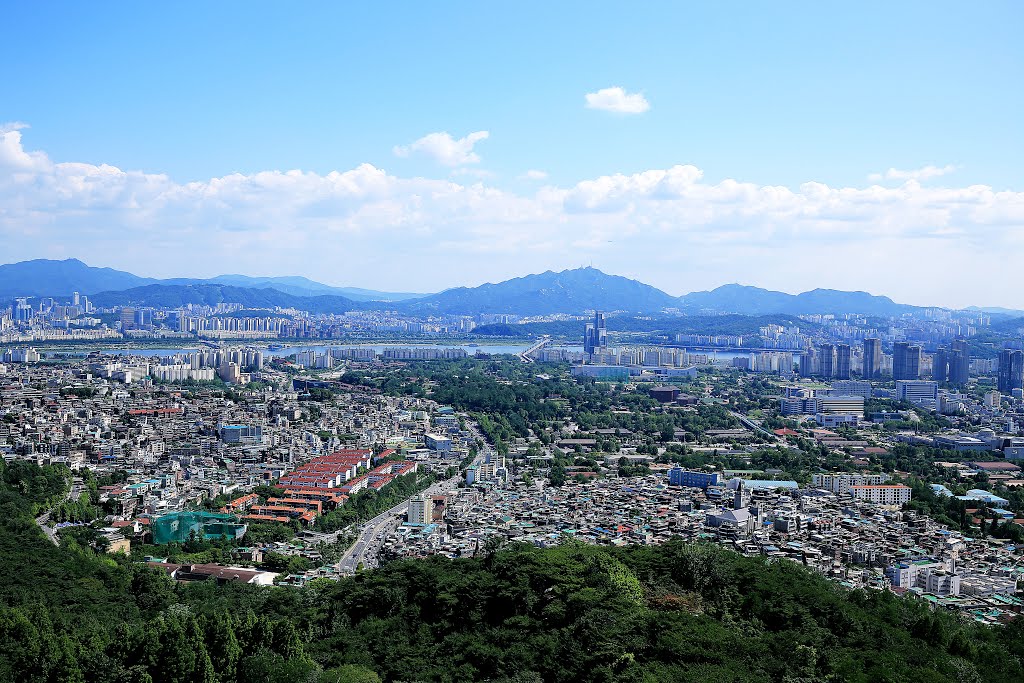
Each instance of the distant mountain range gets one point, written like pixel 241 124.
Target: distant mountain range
pixel 568 291
pixel 44 277
pixel 997 310
pixel 299 286
pixel 175 296
pixel 585 289
pixel 757 301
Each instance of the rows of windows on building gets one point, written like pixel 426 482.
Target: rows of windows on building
pixel 950 363
pixel 225 319
pixel 23 312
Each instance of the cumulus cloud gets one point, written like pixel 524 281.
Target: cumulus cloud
pixel 534 174
pixel 12 125
pixel 444 149
pixel 424 234
pixel 923 173
pixel 13 154
pixel 617 100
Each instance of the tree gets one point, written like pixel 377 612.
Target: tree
pixel 225 651
pixel 350 673
pixel 557 474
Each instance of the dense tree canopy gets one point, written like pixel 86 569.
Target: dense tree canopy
pixel 678 612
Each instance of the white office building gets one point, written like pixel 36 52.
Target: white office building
pixel 884 494
pixel 841 482
pixel 917 391
pixel 847 405
pixel 852 387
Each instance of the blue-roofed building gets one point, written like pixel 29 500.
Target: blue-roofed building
pixel 677 476
pixel 941 490
pixel 241 434
pixel 984 497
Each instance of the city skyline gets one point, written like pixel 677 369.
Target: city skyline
pixel 787 151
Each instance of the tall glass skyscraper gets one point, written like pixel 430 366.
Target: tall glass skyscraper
pixel 872 358
pixel 595 335
pixel 906 361
pixel 1011 370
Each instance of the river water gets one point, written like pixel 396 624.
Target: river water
pixel 471 349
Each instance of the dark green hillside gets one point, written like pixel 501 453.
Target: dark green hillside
pixel 572 613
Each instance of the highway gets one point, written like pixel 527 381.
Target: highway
pixel 364 550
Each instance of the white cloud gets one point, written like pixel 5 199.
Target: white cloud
pixel 470 172
pixel 12 125
pixel 444 149
pixel 12 154
pixel 923 173
pixel 534 174
pixel 423 234
pixel 617 100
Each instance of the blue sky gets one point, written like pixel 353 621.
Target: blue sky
pixel 766 94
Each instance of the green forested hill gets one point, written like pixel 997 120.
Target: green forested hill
pixel 574 613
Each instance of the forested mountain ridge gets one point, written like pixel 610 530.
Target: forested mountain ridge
pixel 678 612
pixel 568 291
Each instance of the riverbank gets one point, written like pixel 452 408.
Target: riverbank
pixel 193 344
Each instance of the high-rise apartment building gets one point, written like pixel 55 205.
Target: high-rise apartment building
pixel 127 318
pixel 808 363
pixel 420 509
pixel 144 318
pixel 872 358
pixel 842 367
pixel 906 361
pixel 940 364
pixel 21 311
pixel 841 482
pixel 1011 370
pixel 884 494
pixel 959 363
pixel 827 353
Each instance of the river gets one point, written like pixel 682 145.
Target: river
pixel 495 349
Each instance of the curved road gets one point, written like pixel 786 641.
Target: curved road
pixel 43 520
